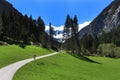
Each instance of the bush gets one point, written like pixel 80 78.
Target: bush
pixel 109 50
pixel 3 43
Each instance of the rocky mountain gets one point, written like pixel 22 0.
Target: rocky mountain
pixel 108 19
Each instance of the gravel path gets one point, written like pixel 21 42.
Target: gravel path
pixel 7 73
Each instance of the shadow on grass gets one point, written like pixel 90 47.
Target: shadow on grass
pixel 85 59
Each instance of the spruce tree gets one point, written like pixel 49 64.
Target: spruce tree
pixel 67 28
pixel 51 33
pixel 67 32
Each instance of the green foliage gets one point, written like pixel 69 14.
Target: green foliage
pixel 110 43
pixel 51 30
pixel 67 27
pixel 89 44
pixel 111 37
pixel 12 53
pixel 51 33
pixel 1 26
pixel 70 35
pixel 17 28
pixel 66 67
pixel 109 50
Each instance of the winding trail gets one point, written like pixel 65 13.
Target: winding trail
pixel 7 73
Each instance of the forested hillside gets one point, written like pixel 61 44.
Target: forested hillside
pixel 100 38
pixel 18 28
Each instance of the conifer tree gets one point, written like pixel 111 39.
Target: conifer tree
pixel 51 33
pixel 67 28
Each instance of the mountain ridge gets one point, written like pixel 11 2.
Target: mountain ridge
pixel 7 7
pixel 108 19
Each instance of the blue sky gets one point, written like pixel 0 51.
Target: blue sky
pixel 55 11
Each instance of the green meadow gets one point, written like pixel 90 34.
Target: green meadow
pixel 68 67
pixel 12 53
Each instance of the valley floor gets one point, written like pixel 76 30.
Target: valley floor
pixel 13 53
pixel 8 72
pixel 67 67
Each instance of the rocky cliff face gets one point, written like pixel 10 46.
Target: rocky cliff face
pixel 108 19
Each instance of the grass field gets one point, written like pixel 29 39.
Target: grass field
pixel 67 67
pixel 13 53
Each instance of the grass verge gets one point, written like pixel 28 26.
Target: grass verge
pixel 12 53
pixel 67 67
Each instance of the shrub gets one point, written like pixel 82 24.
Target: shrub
pixel 109 50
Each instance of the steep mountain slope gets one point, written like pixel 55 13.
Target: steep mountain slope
pixel 108 19
pixel 6 6
pixel 16 28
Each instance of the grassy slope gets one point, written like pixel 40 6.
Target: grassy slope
pixel 13 53
pixel 67 67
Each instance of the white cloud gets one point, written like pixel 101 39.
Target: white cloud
pixel 58 36
pixel 81 26
pixel 60 28
pixel 46 28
